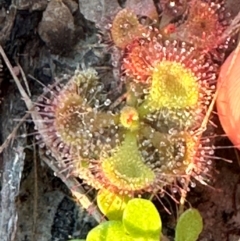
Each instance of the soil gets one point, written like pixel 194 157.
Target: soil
pixel 49 39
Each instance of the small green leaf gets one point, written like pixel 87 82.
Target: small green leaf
pixel 189 226
pixel 111 205
pixel 141 219
pixel 77 240
pixel 109 231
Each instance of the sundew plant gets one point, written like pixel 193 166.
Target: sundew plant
pixel 154 139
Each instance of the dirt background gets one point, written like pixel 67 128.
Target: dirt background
pixel 49 39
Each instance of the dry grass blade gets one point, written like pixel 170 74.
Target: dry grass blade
pixel 12 135
pixel 71 182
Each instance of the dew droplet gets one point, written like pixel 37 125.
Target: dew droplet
pixel 107 102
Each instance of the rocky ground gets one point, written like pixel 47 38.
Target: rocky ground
pixel 46 40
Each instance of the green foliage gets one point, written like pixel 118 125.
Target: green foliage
pixel 78 240
pixel 141 219
pixel 108 231
pixel 189 226
pixel 111 205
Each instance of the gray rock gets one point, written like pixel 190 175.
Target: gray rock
pixel 38 5
pixel 98 10
pixel 57 27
